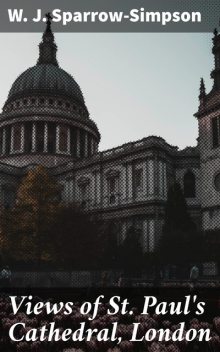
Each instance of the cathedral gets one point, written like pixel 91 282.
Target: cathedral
pixel 45 121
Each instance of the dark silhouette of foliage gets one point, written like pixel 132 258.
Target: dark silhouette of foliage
pixel 180 243
pixel 130 252
pixel 211 241
pixel 111 255
pixel 77 241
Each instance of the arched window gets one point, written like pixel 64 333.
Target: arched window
pixel 189 185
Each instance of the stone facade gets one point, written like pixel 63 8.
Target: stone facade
pixel 45 121
pixel 209 145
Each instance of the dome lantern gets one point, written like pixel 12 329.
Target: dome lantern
pixel 48 47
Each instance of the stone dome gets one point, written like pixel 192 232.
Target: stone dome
pixel 45 120
pixel 46 78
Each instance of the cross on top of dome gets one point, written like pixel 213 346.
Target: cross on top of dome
pixel 49 18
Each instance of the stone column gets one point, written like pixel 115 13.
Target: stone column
pixel 145 176
pixel 145 239
pixel 151 236
pixel 12 140
pixel 92 146
pixel 98 188
pixel 57 138
pixel 4 141
pixel 150 178
pixel 95 187
pixel 123 184
pixel 93 190
pixel 22 138
pixel 86 145
pixel 68 140
pixel 165 180
pixel 45 137
pixel 33 137
pixel 160 178
pixel 78 143
pixel 130 181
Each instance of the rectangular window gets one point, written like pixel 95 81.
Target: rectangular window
pixel 138 180
pixel 215 132
pixel 112 185
pixel 84 194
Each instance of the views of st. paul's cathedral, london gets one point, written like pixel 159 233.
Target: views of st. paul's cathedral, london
pixel 45 121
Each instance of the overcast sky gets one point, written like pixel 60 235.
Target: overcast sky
pixel 134 85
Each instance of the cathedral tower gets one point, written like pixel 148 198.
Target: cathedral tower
pixel 208 116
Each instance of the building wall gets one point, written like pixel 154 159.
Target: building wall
pixel 130 203
pixel 210 168
pixel 126 186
